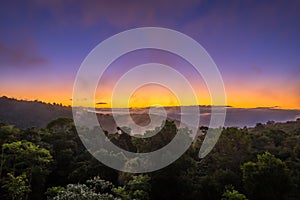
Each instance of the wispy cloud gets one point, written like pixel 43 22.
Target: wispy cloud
pixel 118 13
pixel 20 56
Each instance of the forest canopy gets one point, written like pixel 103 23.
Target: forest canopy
pixel 246 163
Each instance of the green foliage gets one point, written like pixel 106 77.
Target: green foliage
pixel 8 134
pixel 61 125
pixel 232 194
pixel 99 185
pixel 33 160
pixel 25 157
pixel 160 137
pixel 17 187
pixel 136 189
pixel 53 191
pixel 268 178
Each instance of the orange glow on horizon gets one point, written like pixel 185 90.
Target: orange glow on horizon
pixel 239 102
pixel 154 95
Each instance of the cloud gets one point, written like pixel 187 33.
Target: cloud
pixel 118 13
pixel 251 17
pixel 20 55
pixel 101 103
pixel 199 14
pixel 257 70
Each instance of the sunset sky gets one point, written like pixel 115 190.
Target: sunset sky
pixel 255 45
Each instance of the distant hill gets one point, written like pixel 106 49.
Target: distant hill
pixel 24 114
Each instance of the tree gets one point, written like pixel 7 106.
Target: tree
pixel 94 189
pixel 9 134
pixel 61 125
pixel 25 157
pixel 82 192
pixel 136 189
pixel 64 145
pixel 17 187
pixel 268 178
pixel 232 194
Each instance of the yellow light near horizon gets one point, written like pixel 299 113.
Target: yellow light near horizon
pixel 237 96
pixel 153 95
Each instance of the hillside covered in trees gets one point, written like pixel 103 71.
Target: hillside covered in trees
pixel 24 114
pixel 247 163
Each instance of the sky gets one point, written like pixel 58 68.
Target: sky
pixel 255 45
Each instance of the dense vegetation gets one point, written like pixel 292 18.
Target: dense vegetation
pixel 51 163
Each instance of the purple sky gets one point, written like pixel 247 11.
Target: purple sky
pixel 255 44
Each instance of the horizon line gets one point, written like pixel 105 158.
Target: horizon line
pixel 147 107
